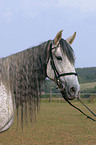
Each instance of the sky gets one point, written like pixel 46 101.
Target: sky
pixel 27 23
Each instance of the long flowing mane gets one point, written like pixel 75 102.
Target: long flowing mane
pixel 22 74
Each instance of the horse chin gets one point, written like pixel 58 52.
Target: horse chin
pixel 66 95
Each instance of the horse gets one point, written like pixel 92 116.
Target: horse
pixel 22 75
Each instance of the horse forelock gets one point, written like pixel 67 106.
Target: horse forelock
pixel 68 51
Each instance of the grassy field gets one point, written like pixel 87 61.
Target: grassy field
pixel 57 124
pixel 87 85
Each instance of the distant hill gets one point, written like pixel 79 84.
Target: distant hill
pixel 87 74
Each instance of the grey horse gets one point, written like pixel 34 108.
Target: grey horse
pixel 22 74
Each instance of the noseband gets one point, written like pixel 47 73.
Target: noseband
pixel 57 75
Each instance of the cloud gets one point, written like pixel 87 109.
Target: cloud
pixel 83 8
pixel 7 16
pixel 33 8
pixel 6 11
pixel 82 5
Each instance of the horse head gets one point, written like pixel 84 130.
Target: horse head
pixel 60 66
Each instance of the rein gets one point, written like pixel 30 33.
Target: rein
pixel 80 109
pixel 60 85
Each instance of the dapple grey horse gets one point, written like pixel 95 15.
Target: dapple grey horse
pixel 22 74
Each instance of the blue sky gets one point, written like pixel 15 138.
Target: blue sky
pixel 25 23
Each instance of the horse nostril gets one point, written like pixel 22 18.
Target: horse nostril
pixel 72 90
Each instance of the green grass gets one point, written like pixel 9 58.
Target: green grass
pixel 57 124
pixel 87 85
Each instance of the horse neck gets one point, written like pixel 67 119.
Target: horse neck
pixel 30 62
pixel 40 54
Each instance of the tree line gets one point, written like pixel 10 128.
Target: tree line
pixel 85 75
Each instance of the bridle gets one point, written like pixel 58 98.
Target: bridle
pixel 56 73
pixel 60 85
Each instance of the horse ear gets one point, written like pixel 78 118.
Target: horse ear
pixel 71 39
pixel 58 37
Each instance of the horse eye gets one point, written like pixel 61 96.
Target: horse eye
pixel 59 58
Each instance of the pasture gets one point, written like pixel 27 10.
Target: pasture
pixel 87 86
pixel 57 123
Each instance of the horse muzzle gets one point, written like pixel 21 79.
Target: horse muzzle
pixel 70 93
